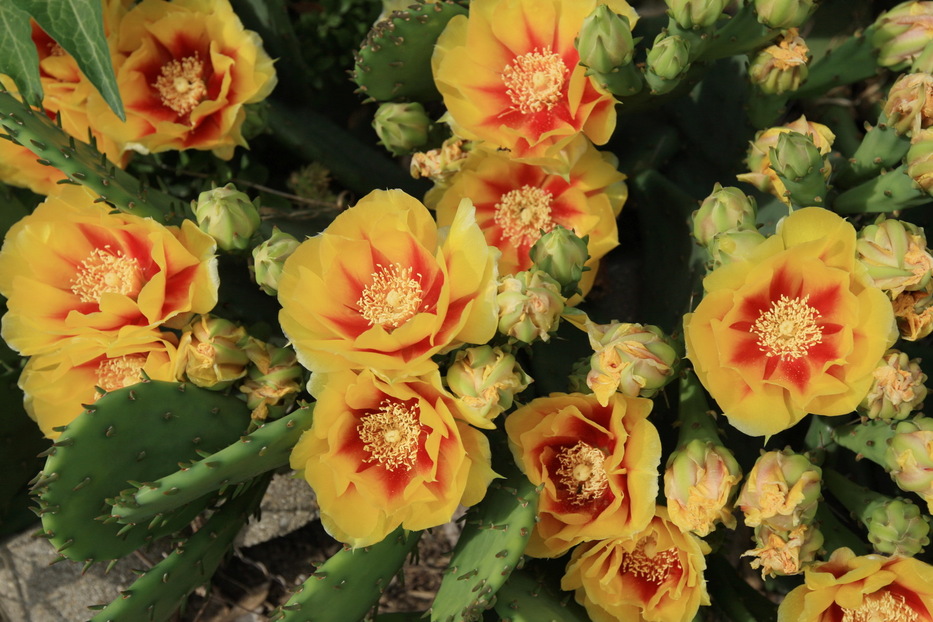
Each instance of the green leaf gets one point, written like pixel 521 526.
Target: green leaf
pixel 78 26
pixel 18 56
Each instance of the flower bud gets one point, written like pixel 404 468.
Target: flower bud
pixel 897 388
pixel 211 353
pixel 795 156
pixel 725 209
pixel 401 127
pixel 696 13
pixel 562 254
pixel 270 256
pixel 896 527
pixel 668 58
pixel 784 14
pixel 782 67
pixel 914 314
pixel 781 491
pixel 902 33
pixel 699 483
pixel 909 107
pixel 896 256
pixel 633 359
pixel 909 457
pixel 784 552
pixel 273 378
pixel 486 379
pixel 920 159
pixel 731 246
pixel 530 305
pixel 228 216
pixel 605 42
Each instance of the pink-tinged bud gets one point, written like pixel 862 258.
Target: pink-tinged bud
pixel 896 255
pixel 782 67
pixel 784 553
pixel 211 353
pixel 486 380
pixel 909 457
pixel 633 359
pixel 897 388
pixel 781 491
pixel 530 305
pixel 920 159
pixel 273 378
pixel 902 33
pixel 699 483
pixel 724 210
pixel 914 314
pixel 909 107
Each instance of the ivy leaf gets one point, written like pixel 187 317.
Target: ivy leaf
pixel 18 56
pixel 78 26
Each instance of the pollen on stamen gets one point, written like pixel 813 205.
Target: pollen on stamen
pixel 392 298
pixel 886 607
pixel 788 329
pixel 534 81
pixel 581 472
pixel 391 435
pixel 523 214
pixel 652 568
pixel 122 371
pixel 181 84
pixel 107 271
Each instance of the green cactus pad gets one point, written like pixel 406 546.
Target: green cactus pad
pixel 394 61
pixel 265 449
pixel 138 433
pixel 156 594
pixel 349 584
pixel 525 598
pixel 490 547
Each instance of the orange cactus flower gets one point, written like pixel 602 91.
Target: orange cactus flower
pixel 57 385
pixel 185 69
pixel 380 455
pixel 74 268
pixel 381 288
pixel 655 574
pixel 510 75
pixel 851 588
pixel 598 466
pixel 515 202
pixel 796 328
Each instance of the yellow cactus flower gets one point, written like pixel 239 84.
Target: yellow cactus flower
pixel 380 455
pixel 382 288
pixel 796 328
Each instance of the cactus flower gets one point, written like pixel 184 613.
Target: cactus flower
pixel 402 127
pixel 794 329
pixel 784 552
pixel 909 457
pixel 896 255
pixel 269 259
pixel 597 465
pixel 700 481
pixel 655 574
pixel 782 67
pixel 725 209
pixel 228 216
pixel 902 34
pixel 781 491
pixel 909 107
pixel 530 306
pixel 211 353
pixel 897 389
pixel 852 588
pixel 486 380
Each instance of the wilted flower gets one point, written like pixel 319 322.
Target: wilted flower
pixel 700 481
pixel 897 388
pixel 486 379
pixel 909 107
pixel 914 314
pixel 380 288
pixel 781 67
pixel 228 216
pixel 655 574
pixel 530 306
pixel 269 259
pixel 211 353
pixel 598 466
pixel 909 457
pixel 781 491
pixel 902 34
pixel 896 255
pixel 784 552
pixel 273 377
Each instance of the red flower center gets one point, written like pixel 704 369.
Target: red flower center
pixel 788 329
pixel 534 81
pixel 581 472
pixel 392 298
pixel 120 372
pixel 391 435
pixel 650 565
pixel 106 270
pixel 886 606
pixel 181 84
pixel 523 214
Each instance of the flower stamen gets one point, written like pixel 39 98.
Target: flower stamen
pixel 582 473
pixel 119 372
pixel 534 80
pixel 391 435
pixel 107 271
pixel 887 607
pixel 392 298
pixel 654 568
pixel 788 329
pixel 523 214
pixel 181 84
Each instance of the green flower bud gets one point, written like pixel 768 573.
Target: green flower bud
pixel 696 13
pixel 211 353
pixel 605 42
pixel 784 14
pixel 782 67
pixel 725 209
pixel 902 33
pixel 486 379
pixel 731 246
pixel 402 127
pixel 784 552
pixel 700 481
pixel 530 306
pixel 228 216
pixel 562 254
pixel 914 314
pixel 668 58
pixel 909 107
pixel 273 378
pixel 633 359
pixel 799 163
pixel 270 256
pixel 896 527
pixel 896 255
pixel 781 491
pixel 909 457
pixel 920 159
pixel 897 388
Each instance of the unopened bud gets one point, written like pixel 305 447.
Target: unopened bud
pixel 270 256
pixel 782 67
pixel 920 159
pixel 211 353
pixel 562 254
pixel 402 127
pixel 725 209
pixel 668 58
pixel 228 216
pixel 784 14
pixel 731 246
pixel 909 107
pixel 700 481
pixel 896 527
pixel 909 457
pixel 273 378
pixel 486 379
pixel 897 388
pixel 696 13
pixel 605 42
pixel 795 157
pixel 901 34
pixel 530 306
pixel 896 255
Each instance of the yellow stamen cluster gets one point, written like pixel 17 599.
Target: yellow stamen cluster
pixel 886 608
pixel 582 473
pixel 534 80
pixel 106 271
pixel 788 329
pixel 391 434
pixel 181 84
pixel 119 372
pixel 654 568
pixel 523 214
pixel 392 298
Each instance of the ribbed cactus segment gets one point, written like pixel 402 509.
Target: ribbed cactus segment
pixel 82 163
pixel 523 598
pixel 138 433
pixel 265 449
pixel 349 584
pixel 881 148
pixel 158 592
pixel 491 546
pixel 394 61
